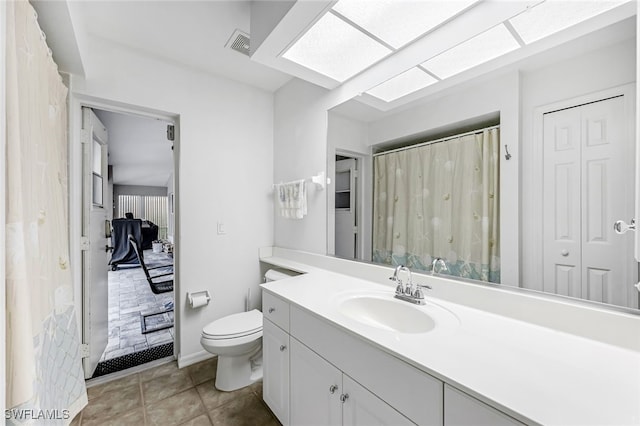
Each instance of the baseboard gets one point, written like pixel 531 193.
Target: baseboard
pixel 185 361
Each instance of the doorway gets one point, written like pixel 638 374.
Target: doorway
pixel 346 207
pixel 137 186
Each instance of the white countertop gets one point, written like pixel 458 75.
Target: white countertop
pixel 535 374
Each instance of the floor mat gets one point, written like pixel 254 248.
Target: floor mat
pixel 131 360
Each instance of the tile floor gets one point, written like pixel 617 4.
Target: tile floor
pixel 129 295
pixel 166 395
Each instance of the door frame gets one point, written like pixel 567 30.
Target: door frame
pixel 76 102
pixel 536 196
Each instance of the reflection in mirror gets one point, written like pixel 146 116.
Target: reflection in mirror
pixel 541 220
pixel 440 199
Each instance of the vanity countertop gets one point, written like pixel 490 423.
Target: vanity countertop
pixel 535 374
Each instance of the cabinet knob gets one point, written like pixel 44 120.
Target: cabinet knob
pixel 333 389
pixel 272 310
pixel 344 397
pixel 283 347
pixel 564 252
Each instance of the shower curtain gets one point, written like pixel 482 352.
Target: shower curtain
pixel 44 379
pixel 440 200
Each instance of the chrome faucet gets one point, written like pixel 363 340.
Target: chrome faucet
pixel 438 261
pixel 410 292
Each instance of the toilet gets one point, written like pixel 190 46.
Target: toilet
pixel 237 340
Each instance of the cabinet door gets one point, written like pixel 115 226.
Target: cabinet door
pixel 275 384
pixel 316 387
pixel 461 409
pixel 363 408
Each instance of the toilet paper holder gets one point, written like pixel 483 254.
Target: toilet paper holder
pixel 197 299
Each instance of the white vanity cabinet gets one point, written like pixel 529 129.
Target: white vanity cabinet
pixel 322 394
pixel 275 356
pixel 461 409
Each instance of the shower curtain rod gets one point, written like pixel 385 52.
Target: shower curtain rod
pixel 448 138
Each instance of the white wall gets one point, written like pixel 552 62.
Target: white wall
pixel 299 152
pixel 224 173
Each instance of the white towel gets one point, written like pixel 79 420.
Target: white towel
pixel 292 199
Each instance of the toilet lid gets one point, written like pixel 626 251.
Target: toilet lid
pixel 235 325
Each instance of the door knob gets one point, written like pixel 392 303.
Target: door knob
pixel 622 227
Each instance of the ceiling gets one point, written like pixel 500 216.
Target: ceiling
pixel 191 33
pixel 139 151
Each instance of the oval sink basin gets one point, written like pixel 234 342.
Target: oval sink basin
pixel 387 314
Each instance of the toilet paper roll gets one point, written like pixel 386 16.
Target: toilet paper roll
pixel 197 300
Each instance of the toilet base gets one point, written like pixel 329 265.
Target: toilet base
pixel 236 372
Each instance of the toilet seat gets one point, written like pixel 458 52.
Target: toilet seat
pixel 234 326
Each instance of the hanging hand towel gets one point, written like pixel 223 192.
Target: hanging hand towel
pixel 292 199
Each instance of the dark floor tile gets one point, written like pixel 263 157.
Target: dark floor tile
pixel 203 371
pixel 214 398
pixel 244 410
pixel 159 371
pixel 117 384
pixel 165 386
pixel 112 402
pixel 202 420
pixel 256 388
pixel 176 409
pixel 133 417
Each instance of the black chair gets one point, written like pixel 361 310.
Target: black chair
pixel 123 254
pixel 158 284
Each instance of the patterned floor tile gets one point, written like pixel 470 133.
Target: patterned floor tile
pixel 165 386
pixel 176 409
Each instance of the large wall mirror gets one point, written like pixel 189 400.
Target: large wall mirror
pixel 515 176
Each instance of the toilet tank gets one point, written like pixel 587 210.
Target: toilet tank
pixel 278 274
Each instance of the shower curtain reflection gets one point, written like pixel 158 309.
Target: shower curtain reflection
pixel 440 200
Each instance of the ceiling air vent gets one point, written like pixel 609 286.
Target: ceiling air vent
pixel 239 41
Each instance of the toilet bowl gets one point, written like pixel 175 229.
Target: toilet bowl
pixel 237 340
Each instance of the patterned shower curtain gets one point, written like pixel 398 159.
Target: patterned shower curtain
pixel 440 200
pixel 44 379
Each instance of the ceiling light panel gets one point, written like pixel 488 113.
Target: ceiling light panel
pixel 480 49
pixel 336 49
pixel 398 22
pixel 403 84
pixel 556 15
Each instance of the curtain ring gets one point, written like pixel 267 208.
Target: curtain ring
pixel 35 14
pixel 43 36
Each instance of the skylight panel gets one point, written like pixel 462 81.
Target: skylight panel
pixel 336 49
pixel 402 84
pixel 397 22
pixel 480 49
pixel 556 15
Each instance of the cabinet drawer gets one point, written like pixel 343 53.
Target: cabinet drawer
pixel 275 310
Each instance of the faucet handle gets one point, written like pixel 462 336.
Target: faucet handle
pixel 419 286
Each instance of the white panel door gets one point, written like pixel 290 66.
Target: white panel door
pixel 461 409
pixel 362 408
pixel 95 257
pixel 316 387
pixel 275 358
pixel 588 185
pixel 561 220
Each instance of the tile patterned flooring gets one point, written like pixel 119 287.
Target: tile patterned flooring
pixel 166 395
pixel 129 295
